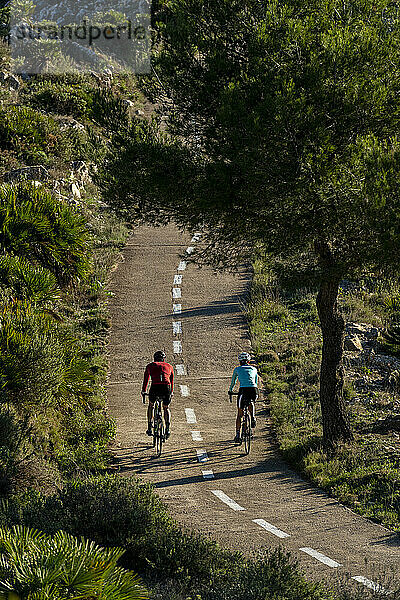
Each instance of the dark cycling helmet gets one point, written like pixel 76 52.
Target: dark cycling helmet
pixel 159 356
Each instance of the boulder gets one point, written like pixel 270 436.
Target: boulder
pixel 128 103
pixel 36 173
pixel 352 343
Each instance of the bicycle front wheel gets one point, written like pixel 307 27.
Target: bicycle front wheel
pixel 160 438
pixel 247 433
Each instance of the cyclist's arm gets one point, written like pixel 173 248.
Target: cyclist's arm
pixel 172 381
pixel 146 380
pixel 234 380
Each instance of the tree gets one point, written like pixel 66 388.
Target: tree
pixel 35 566
pixel 283 122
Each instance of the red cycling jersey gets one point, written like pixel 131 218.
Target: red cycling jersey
pixel 160 373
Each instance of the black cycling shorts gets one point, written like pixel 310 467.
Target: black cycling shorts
pixel 162 390
pixel 246 396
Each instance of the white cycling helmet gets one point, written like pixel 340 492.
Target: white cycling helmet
pixel 244 357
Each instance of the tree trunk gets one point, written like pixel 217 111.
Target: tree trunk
pixel 335 422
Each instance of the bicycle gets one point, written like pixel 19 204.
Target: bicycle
pixel 245 434
pixel 158 428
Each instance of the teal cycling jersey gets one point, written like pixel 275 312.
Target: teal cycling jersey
pixel 247 375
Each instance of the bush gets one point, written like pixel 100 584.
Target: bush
pixel 114 510
pixel 61 98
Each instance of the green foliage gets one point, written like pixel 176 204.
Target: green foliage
pixel 390 340
pixel 35 566
pixel 15 447
pixel 364 474
pixel 61 98
pixel 32 136
pixel 123 511
pixel 36 226
pixel 27 282
pixel 109 111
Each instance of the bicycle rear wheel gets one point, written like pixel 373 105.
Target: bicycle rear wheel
pixel 160 438
pixel 247 433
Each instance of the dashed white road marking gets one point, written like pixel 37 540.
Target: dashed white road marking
pixel 181 370
pixel 226 500
pixel 271 528
pixel 177 346
pixel 176 327
pixel 178 279
pixel 176 292
pixel 202 456
pixel 182 265
pixel 208 474
pixel 190 415
pixel 371 585
pixel 177 309
pixel 190 250
pixel 184 390
pixel 321 557
pixel 196 436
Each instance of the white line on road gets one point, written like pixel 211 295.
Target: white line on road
pixel 321 557
pixel 178 279
pixel 177 327
pixel 271 528
pixel 224 498
pixel 176 293
pixel 202 455
pixel 190 250
pixel 182 265
pixel 190 415
pixel 184 390
pixel 371 584
pixel 177 309
pixel 177 346
pixel 208 475
pixel 196 436
pixel 181 370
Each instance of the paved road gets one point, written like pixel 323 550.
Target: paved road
pixel 162 302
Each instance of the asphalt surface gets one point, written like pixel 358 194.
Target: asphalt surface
pixel 273 506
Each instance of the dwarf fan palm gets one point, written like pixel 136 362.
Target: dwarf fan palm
pixel 44 230
pixel 34 566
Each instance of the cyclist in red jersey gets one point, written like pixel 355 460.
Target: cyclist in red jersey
pixel 161 374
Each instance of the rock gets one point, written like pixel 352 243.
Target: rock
pixel 3 77
pixel 128 103
pixel 352 344
pixel 139 113
pixel 37 173
pixel 64 123
pixel 75 191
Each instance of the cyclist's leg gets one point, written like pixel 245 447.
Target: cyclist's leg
pixel 239 416
pixel 167 411
pixel 150 411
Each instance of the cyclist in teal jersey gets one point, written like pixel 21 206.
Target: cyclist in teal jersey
pixel 248 390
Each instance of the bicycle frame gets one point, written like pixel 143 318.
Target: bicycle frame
pixel 158 429
pixel 245 425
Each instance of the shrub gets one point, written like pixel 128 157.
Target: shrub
pixel 35 566
pixel 114 510
pixel 61 98
pixel 44 230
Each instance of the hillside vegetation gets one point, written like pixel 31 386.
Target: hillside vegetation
pixel 60 140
